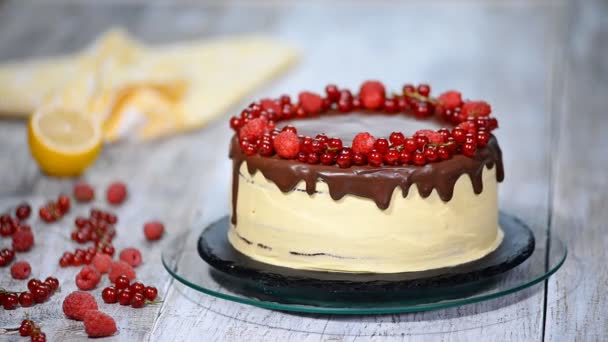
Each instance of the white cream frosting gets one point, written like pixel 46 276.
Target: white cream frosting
pixel 354 235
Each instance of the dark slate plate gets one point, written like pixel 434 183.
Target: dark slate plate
pixel 244 274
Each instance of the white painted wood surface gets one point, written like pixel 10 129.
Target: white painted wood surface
pixel 516 55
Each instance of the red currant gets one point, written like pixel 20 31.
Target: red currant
pixel 52 283
pixel 150 293
pixel 26 299
pixel 431 153
pixel 10 301
pixel 23 211
pixel 109 295
pixel 124 297
pixel 63 204
pixel 424 89
pixel 138 300
pixel 328 158
pixel 375 158
pixel 312 158
pixel 410 145
pixel 137 287
pixel 381 145
pixel 122 282
pixel 419 158
pixel 26 327
pixel 359 158
pixel 459 135
pixel 391 157
pixel 396 138
pixel 333 93
pixel 405 157
pixel 344 161
pixel 469 149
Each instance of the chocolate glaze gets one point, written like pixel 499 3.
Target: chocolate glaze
pixel 375 183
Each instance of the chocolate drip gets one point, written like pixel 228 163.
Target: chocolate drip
pixel 375 183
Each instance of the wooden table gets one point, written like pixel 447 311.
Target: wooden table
pixel 542 65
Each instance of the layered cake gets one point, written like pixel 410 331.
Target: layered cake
pixel 339 183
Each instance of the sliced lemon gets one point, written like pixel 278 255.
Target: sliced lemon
pixel 63 142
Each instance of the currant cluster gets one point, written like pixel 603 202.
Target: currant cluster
pixel 9 225
pixel 55 210
pixel 126 293
pixel 84 257
pixel 29 328
pixel 7 256
pixel 98 227
pixel 39 292
pixel 257 133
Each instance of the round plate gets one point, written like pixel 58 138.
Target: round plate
pixel 246 281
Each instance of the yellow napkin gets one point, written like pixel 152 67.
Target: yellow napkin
pixel 150 91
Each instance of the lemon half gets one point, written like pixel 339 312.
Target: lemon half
pixel 63 142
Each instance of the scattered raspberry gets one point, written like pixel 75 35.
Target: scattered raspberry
pixel 23 240
pixel 253 129
pixel 469 127
pixel 269 104
pixel 102 262
pixel 475 108
pixel 21 270
pixel 77 303
pixel 450 99
pixel 83 192
pixel 87 278
pixel 311 103
pixel 131 256
pixel 363 143
pixel 372 94
pixel 287 145
pixel 154 230
pixel 434 137
pixel 116 193
pixel 119 268
pixel 99 324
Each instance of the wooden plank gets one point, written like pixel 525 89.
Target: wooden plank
pixel 577 308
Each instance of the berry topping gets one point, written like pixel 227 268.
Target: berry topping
pixel 119 268
pixel 287 145
pixel 311 103
pixel 99 324
pixel 363 143
pixel 475 108
pixel 372 95
pixel 131 256
pixel 450 99
pixel 253 129
pixel 153 230
pixel 76 304
pixel 21 270
pixel 116 193
pixel 83 192
pixel 432 136
pixel 87 278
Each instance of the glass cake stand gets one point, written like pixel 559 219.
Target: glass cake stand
pixel 182 260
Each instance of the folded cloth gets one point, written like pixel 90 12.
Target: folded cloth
pixel 145 91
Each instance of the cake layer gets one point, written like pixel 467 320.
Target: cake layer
pixel 316 232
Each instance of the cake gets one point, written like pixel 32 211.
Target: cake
pixel 388 204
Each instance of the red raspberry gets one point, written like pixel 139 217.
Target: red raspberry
pixel 131 256
pixel 469 127
pixel 434 137
pixel 102 262
pixel 83 192
pixel 119 268
pixel 87 278
pixel 450 99
pixel 311 103
pixel 253 129
pixel 363 143
pixel 270 104
pixel 116 193
pixel 287 145
pixel 372 94
pixel 99 324
pixel 154 230
pixel 23 240
pixel 475 108
pixel 77 303
pixel 21 270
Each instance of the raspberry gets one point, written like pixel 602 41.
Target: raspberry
pixel 119 268
pixel 269 104
pixel 311 103
pixel 131 256
pixel 154 230
pixel 287 145
pixel 102 262
pixel 450 99
pixel 116 193
pixel 87 278
pixel 77 303
pixel 363 143
pixel 21 270
pixel 99 324
pixel 83 192
pixel 467 126
pixel 253 129
pixel 434 137
pixel 23 240
pixel 372 94
pixel 475 108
